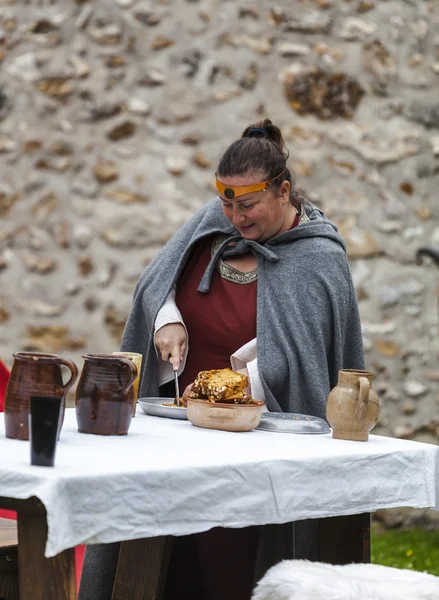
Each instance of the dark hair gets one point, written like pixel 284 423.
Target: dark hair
pixel 261 148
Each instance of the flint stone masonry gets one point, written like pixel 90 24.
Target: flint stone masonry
pixel 113 116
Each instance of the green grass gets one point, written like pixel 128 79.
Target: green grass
pixel 413 549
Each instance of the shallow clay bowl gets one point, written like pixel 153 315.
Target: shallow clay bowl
pixel 227 417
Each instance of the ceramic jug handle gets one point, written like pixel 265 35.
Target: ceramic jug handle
pixel 74 373
pixel 133 372
pixel 363 398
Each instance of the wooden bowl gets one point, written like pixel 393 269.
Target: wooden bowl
pixel 227 417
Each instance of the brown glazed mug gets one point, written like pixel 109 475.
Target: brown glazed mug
pixel 104 396
pixel 33 374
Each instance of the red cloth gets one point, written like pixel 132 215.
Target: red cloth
pixel 4 377
pixel 79 561
pixel 11 514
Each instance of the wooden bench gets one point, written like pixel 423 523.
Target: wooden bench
pixel 8 560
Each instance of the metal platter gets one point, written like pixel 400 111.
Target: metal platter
pixel 292 423
pixel 155 408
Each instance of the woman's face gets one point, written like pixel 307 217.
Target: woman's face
pixel 258 216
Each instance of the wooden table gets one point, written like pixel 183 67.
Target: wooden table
pixel 270 472
pixel 143 564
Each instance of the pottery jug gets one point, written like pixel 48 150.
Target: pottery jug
pixel 104 396
pixel 353 407
pixel 33 374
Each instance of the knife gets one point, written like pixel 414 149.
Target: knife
pixel 177 389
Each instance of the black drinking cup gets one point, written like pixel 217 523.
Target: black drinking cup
pixel 45 415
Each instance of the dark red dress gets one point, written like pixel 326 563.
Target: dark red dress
pixel 219 322
pixel 217 564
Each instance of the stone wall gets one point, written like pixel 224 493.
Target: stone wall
pixel 113 115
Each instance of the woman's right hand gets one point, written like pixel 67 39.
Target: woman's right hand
pixel 171 342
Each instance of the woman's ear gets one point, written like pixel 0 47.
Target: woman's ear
pixel 285 190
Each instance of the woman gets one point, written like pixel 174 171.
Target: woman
pixel 286 253
pixel 258 280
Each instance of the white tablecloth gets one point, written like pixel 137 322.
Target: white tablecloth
pixel 169 477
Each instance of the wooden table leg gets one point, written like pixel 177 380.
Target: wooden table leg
pixel 41 578
pixel 343 540
pixel 142 569
pixel 8 573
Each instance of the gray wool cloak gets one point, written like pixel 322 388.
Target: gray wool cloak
pixel 308 324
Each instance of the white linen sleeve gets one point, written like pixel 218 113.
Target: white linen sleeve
pixel 169 313
pixel 246 358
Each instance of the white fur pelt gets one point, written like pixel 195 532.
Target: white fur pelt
pixel 305 580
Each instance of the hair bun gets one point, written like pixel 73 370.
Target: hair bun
pixel 257 132
pixel 265 129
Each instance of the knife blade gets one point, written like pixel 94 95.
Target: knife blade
pixel 177 389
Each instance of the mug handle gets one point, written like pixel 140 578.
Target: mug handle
pixel 74 373
pixel 363 398
pixel 133 373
